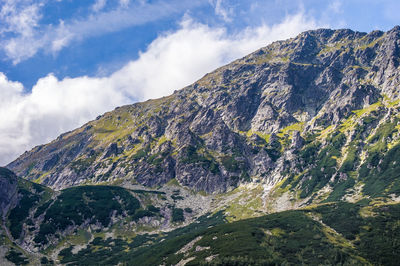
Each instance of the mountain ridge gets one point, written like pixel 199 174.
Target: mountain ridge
pixel 106 225
pixel 294 83
pixel 293 149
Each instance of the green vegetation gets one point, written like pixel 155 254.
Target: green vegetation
pixel 340 189
pixel 246 205
pixel 375 238
pixel 16 257
pixel 333 47
pixel 153 209
pixel 142 249
pixel 382 178
pixel 140 154
pixel 188 210
pixel 249 133
pixel 369 109
pixel 364 46
pixel 351 160
pixel 296 237
pixel 274 149
pixel 46 261
pixel 329 234
pixel 230 163
pixel 18 215
pixel 156 159
pixel 346 171
pixel 257 240
pixel 94 203
pixel 191 155
pixel 177 197
pixel 177 215
pixel 82 164
pixel 320 162
pixel 142 213
pixel 325 164
pixel 9 175
pixel 41 209
pixel 289 129
pixel 149 212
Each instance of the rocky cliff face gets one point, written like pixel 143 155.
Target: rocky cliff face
pixel 314 119
pixel 8 190
pixel 297 110
pixel 35 217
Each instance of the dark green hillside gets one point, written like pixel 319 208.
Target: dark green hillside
pixel 146 249
pixel 74 215
pixel 6 173
pixel 294 148
pixel 90 204
pixel 30 195
pixel 371 227
pixel 48 216
pixel 337 233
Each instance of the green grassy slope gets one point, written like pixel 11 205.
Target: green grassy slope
pixel 337 233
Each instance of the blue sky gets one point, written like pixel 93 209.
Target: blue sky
pixel 101 48
pixel 63 62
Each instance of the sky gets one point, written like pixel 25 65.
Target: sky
pixel 64 62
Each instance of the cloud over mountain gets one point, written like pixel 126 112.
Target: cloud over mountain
pixel 172 61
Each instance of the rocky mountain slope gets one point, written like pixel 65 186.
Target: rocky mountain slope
pixel 8 189
pixel 310 123
pixel 247 121
pixel 109 225
pixel 36 218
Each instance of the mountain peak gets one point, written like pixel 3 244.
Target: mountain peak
pixel 395 29
pixel 312 121
pixel 235 125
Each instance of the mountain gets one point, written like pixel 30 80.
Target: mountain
pixel 106 225
pixel 8 187
pixel 293 149
pixel 37 219
pixel 248 121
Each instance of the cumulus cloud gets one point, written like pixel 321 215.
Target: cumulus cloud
pixel 172 61
pixel 177 59
pixel 53 106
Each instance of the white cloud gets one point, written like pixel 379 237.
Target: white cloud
pixel 99 5
pixel 30 37
pixel 124 3
pixel 20 17
pixel 221 10
pixel 53 106
pixel 336 6
pixel 172 61
pixel 180 58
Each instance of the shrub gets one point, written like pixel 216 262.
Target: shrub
pixel 16 257
pixel 177 215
